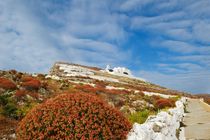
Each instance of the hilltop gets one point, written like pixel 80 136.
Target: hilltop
pixel 132 96
pixel 78 73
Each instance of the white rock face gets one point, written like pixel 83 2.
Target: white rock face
pixel 102 78
pixel 53 77
pixel 158 94
pixel 71 70
pixel 117 88
pixel 163 126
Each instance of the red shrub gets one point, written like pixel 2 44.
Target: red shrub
pixel 90 89
pixel 74 116
pixel 34 94
pixel 7 84
pixel 100 89
pixel 86 88
pixel 100 83
pixel 162 103
pixel 27 78
pixel 20 93
pixel 32 84
pixel 12 71
pixel 142 88
pixel 155 97
pixel 115 91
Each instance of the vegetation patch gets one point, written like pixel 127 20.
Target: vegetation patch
pixel 140 116
pixel 7 84
pixel 74 116
pixel 164 103
pixel 31 84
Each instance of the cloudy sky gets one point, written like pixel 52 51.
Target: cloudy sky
pixel 166 42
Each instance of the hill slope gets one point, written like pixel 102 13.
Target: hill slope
pixel 84 74
pixel 20 92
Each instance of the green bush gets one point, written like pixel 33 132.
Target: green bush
pixel 4 99
pixel 10 110
pixel 23 110
pixel 140 116
pixel 8 106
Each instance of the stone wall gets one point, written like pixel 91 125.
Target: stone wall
pixel 163 126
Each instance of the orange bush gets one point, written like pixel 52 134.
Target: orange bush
pixel 74 116
pixel 34 94
pixel 7 84
pixel 33 84
pixel 100 83
pixel 27 78
pixel 162 103
pixel 99 89
pixel 156 98
pixel 115 91
pixel 20 93
pixel 86 88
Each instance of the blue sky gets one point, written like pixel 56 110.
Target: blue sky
pixel 166 42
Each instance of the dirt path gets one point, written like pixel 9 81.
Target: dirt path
pixel 197 120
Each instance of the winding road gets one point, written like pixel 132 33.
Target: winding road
pixel 197 121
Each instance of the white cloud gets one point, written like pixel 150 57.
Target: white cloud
pixel 175 33
pixel 189 21
pixel 178 46
pixel 181 68
pixel 91 50
pixel 184 47
pixel 24 44
pixel 167 4
pixel 85 33
pixel 132 4
pixel 201 31
pixel 92 20
pixel 169 19
pixel 198 9
pixel 201 59
pixel 190 66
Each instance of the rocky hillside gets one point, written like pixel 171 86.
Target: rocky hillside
pixel 135 98
pixel 88 75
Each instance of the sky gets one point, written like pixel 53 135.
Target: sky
pixel 166 42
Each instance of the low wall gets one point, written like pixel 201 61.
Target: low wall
pixel 163 126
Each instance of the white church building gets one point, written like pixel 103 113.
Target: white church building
pixel 121 71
